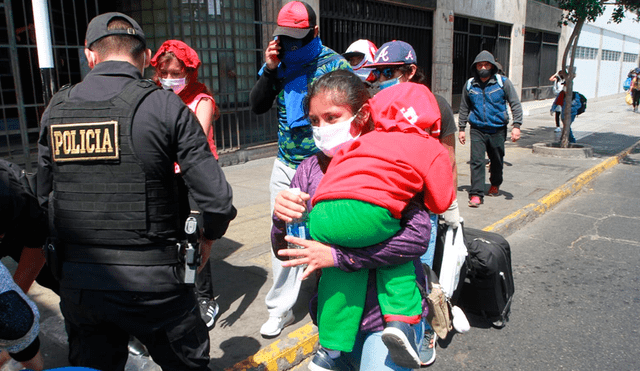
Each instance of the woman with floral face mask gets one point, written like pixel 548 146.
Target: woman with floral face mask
pixel 372 162
pixel 176 67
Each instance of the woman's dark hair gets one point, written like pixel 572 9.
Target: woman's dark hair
pixel 419 77
pixel 346 87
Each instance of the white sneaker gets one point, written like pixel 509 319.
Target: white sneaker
pixel 274 325
pixel 558 130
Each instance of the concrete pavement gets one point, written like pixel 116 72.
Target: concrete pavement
pixel 241 260
pixel 576 278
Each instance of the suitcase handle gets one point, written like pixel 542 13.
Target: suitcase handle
pixel 503 282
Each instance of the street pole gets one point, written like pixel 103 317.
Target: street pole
pixel 45 51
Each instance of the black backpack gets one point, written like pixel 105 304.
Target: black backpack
pixel 583 102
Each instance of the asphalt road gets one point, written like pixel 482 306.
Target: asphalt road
pixel 576 272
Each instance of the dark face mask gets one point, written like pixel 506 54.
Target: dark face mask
pixel 484 73
pixel 289 44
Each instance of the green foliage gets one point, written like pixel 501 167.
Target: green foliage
pixel 589 10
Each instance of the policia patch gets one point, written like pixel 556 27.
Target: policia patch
pixel 84 141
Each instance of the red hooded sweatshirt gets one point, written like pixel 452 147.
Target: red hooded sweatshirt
pixel 398 160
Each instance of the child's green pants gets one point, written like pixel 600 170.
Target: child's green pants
pixel 341 295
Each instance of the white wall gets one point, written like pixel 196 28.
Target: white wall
pixel 596 78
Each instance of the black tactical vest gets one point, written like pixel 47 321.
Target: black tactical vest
pixel 101 194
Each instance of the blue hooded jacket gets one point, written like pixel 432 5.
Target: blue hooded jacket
pixel 484 105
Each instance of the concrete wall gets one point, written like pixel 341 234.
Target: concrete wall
pixel 543 17
pixel 442 68
pixel 512 12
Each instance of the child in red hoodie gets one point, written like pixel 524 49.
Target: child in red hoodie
pixel 359 203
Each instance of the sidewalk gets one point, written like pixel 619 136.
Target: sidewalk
pixel 242 262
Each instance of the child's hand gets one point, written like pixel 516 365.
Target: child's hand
pixel 315 254
pixel 289 206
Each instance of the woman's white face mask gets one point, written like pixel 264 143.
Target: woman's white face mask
pixel 174 84
pixel 329 139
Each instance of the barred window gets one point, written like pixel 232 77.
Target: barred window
pixel 610 55
pixel 629 57
pixel 586 53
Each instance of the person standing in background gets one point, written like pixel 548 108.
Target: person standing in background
pixel 176 67
pixel 294 59
pixel 635 92
pixel 484 105
pixel 558 86
pixel 359 54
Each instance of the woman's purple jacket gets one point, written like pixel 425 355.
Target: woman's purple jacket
pixel 407 245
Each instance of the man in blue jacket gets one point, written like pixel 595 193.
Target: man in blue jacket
pixel 484 106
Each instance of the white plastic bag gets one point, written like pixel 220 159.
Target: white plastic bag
pixel 453 257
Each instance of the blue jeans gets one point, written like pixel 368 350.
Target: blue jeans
pixel 370 353
pixel 427 257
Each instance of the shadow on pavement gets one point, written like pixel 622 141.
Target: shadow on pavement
pixel 231 355
pixel 232 283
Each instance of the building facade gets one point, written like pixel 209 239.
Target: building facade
pixel 231 35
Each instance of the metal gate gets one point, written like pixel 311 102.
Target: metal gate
pixel 540 57
pixel 229 35
pixel 21 97
pixel 345 21
pixel 470 37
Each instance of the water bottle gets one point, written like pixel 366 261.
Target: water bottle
pixel 298 227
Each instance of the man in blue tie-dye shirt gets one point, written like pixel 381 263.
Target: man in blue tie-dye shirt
pixel 294 59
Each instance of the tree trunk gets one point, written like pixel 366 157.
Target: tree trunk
pixel 568 86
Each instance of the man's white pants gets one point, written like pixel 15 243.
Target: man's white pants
pixel 286 281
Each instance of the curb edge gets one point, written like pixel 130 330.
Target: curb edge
pixel 510 223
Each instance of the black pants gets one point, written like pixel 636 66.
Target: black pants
pixel 635 94
pixel 99 323
pixel 493 145
pixel 204 286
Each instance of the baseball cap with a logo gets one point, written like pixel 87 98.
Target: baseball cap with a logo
pixel 394 53
pixel 295 19
pixel 97 28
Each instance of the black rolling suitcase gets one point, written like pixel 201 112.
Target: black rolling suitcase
pixel 488 286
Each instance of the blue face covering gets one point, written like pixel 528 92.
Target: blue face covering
pixel 293 70
pixel 389 83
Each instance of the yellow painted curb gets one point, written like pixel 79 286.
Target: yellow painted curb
pixel 274 356
pixel 541 206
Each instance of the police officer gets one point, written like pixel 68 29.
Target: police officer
pixel 107 150
pixel 23 228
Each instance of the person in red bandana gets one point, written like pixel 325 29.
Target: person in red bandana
pixel 176 67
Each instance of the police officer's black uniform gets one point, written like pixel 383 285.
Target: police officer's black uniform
pixel 26 225
pixel 107 149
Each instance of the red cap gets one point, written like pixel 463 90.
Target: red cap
pixel 182 51
pixel 295 19
pixel 406 107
